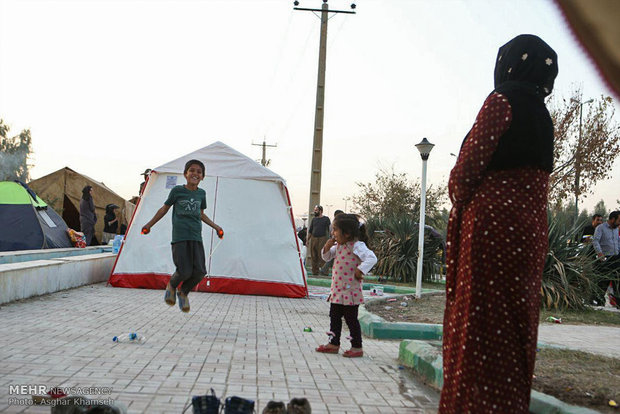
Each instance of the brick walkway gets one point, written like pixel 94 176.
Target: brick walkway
pixel 249 346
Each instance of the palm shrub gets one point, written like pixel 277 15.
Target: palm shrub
pixel 570 274
pixel 395 243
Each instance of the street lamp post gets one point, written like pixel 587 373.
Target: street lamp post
pixel 346 199
pixel 329 208
pixel 425 149
pixel 578 159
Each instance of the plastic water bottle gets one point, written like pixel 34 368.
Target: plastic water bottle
pixel 117 243
pixel 130 337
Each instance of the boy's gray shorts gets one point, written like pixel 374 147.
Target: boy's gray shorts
pixel 189 258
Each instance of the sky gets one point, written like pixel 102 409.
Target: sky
pixel 110 88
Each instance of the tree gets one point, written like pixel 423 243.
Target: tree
pixel 14 153
pixel 585 155
pixel 393 195
pixel 601 208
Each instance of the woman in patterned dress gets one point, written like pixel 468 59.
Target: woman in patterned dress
pixel 497 238
pixel 352 260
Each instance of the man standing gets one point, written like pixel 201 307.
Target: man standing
pixel 146 173
pixel 588 231
pixel 325 269
pixel 318 233
pixel 607 247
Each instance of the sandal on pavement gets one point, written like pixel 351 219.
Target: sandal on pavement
pixel 328 349
pixel 169 296
pixel 183 302
pixel 353 354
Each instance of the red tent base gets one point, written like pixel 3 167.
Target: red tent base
pixel 216 285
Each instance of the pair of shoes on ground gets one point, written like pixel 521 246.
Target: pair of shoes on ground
pixel 295 406
pixel 332 349
pixel 170 299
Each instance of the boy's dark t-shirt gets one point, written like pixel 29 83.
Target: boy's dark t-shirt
pixel 186 208
pixel 107 227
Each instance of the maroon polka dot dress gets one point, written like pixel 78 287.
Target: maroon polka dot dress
pixel 497 242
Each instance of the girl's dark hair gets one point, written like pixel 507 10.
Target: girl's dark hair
pixel 86 193
pixel 194 162
pixel 349 224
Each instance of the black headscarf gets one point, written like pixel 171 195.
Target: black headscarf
pixel 525 71
pixel 526 61
pixel 86 193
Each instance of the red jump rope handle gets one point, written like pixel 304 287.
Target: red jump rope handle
pixel 145 230
pixel 220 234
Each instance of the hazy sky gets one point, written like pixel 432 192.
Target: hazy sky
pixel 110 88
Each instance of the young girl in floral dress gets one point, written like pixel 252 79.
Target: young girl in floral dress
pixel 352 260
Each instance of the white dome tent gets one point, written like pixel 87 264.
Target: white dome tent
pixel 259 254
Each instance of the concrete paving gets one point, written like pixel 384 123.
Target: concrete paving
pixel 603 340
pixel 249 346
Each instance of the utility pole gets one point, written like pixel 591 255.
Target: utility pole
pixel 317 144
pixel 264 161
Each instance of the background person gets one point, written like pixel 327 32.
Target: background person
pixel 110 223
pixel 607 247
pixel 144 175
pixel 588 231
pixel 318 233
pixel 88 218
pixel 328 265
pixel 494 264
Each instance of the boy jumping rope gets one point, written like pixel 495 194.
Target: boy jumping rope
pixel 188 253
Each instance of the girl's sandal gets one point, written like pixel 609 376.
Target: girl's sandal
pixel 353 354
pixel 328 349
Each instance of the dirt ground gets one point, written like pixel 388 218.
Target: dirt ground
pixel 574 377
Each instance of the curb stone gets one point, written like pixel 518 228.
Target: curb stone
pixel 315 281
pixel 376 327
pixel 425 358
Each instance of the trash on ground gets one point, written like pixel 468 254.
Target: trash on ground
pixel 131 337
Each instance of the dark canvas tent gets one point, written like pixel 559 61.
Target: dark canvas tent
pixel 62 190
pixel 26 222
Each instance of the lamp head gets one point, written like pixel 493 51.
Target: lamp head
pixel 425 148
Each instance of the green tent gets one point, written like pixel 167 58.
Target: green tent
pixel 26 222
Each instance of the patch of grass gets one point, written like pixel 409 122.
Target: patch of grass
pixel 427 309
pixel 578 378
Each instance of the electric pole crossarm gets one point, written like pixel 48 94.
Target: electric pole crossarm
pixel 320 10
pixel 264 161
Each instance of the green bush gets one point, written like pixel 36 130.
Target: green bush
pixel 395 242
pixel 570 277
